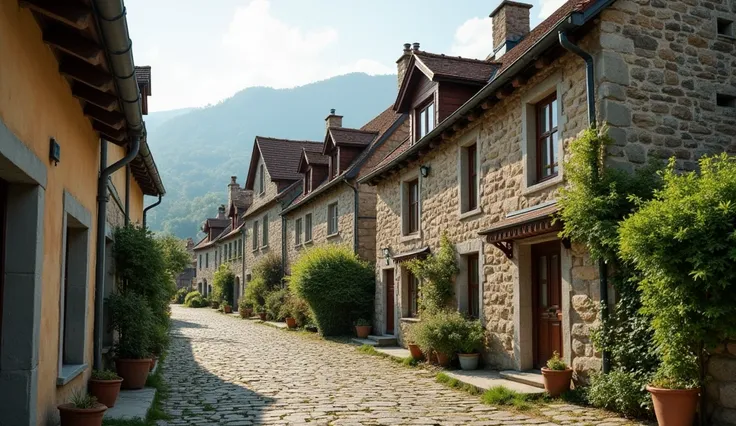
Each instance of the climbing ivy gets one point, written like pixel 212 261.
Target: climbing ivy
pixel 437 273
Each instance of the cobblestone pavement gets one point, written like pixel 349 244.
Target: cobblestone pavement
pixel 224 370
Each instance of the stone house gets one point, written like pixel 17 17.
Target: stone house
pixel 484 163
pixel 74 163
pixel 332 207
pixel 275 183
pixel 186 279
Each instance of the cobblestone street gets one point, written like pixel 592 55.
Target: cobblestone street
pixel 224 370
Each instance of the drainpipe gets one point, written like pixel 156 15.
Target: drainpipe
pixel 283 249
pixel 145 211
pixel 355 216
pixel 590 86
pixel 127 195
pixel 102 199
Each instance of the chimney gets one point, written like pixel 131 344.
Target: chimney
pixel 221 212
pixel 233 188
pixel 403 62
pixel 510 24
pixel 333 120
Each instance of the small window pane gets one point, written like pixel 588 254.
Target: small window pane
pixel 430 117
pixel 554 113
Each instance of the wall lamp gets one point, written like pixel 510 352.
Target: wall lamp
pixel 424 170
pixel 386 254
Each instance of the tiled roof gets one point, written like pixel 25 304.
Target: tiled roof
pixel 343 136
pixel 316 158
pixel 282 156
pixel 393 154
pixel 540 30
pixel 201 243
pixel 143 76
pixel 382 122
pixel 217 223
pixel 456 67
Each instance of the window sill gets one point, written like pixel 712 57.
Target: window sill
pixel 255 250
pixel 542 185
pixel 412 320
pixel 411 237
pixel 335 235
pixel 308 243
pixel 264 248
pixel 471 213
pixel 299 246
pixel 69 372
pixel 726 37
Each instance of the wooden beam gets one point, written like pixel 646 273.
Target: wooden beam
pixel 487 104
pixel 70 42
pixel 541 62
pixel 518 82
pixel 112 119
pixel 93 96
pixel 86 73
pixel 72 13
pixel 114 134
pixel 503 93
pixel 457 127
pixel 472 117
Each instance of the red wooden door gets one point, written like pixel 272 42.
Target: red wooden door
pixel 547 306
pixel 389 301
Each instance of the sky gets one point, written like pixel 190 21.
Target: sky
pixel 204 51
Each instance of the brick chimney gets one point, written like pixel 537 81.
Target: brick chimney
pixel 333 120
pixel 221 212
pixel 243 197
pixel 510 24
pixel 403 62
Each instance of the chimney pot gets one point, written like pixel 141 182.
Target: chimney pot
pixel 332 111
pixel 415 46
pixel 510 22
pixel 407 47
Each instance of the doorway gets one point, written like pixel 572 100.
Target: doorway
pixel 389 282
pixel 546 301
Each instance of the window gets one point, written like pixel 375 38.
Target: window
pixel 425 119
pixel 473 285
pixel 229 250
pixel 72 327
pixel 332 219
pixel 261 181
pixel 240 248
pixel 725 27
pixel 411 207
pixel 298 231
pixel 469 178
pixel 333 164
pixel 309 181
pixel 547 138
pixel 412 292
pixel 200 261
pixel 308 228
pixel 255 235
pixel 206 260
pixel 727 101
pixel 265 231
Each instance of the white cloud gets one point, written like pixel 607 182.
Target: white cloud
pixel 473 39
pixel 547 7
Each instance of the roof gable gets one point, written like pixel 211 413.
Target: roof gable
pixel 280 157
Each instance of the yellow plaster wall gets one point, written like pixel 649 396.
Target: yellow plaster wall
pixel 36 104
pixel 115 153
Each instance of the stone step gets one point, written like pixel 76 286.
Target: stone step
pixel 486 379
pixel 361 342
pixel 384 340
pixel 531 377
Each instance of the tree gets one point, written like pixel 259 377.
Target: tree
pixel 176 257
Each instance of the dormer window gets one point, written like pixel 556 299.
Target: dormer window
pixel 333 164
pixel 425 118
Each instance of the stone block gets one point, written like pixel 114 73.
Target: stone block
pixel 636 153
pixel 612 68
pixel 617 43
pixel 722 368
pixel 728 394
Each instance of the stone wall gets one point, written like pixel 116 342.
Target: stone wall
pixel 721 384
pixel 274 235
pixel 207 270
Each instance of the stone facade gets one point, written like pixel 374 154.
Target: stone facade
pixel 721 384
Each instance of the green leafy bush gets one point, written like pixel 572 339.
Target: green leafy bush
pixel 274 303
pixel 82 400
pixel 445 332
pixel 556 363
pixel 297 308
pixel 255 293
pixel 104 375
pixel 622 392
pixel 181 295
pixel 223 283
pixel 362 322
pixel 191 295
pixel 269 270
pixel 682 242
pixel 337 285
pixel 437 273
pixel 132 318
pixel 159 339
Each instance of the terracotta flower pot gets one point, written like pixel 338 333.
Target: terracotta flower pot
pixel 415 351
pixel 228 309
pixel 443 359
pixel 291 322
pixel 71 416
pixel 106 391
pixel 468 361
pixel 556 382
pixel 362 331
pixel 262 315
pixel 133 371
pixel 674 407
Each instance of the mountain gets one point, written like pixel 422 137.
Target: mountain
pixel 197 150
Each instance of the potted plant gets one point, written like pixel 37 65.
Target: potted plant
pixel 227 308
pixel 105 386
pixel 439 334
pixel 215 304
pixel 262 313
pixel 414 349
pixel 362 328
pixel 556 376
pixel 132 318
pixel 82 410
pixel 245 309
pixel 471 340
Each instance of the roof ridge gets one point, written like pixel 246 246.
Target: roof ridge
pixel 350 129
pixel 288 140
pixel 444 56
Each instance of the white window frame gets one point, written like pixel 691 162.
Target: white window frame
pixel 336 219
pixel 472 138
pixel 529 101
pixel 264 231
pixel 404 190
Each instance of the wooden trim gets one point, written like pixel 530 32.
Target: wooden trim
pixel 112 119
pixel 71 13
pixel 72 43
pixel 115 134
pixel 473 262
pixel 93 96
pixel 85 73
pixel 543 135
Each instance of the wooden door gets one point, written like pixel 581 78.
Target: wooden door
pixel 547 303
pixel 389 282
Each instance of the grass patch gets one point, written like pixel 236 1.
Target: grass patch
pixel 500 395
pixel 156 380
pixel 457 384
pixel 369 350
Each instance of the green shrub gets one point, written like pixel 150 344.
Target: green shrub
pixel 622 392
pixel 181 295
pixel 445 331
pixel 337 285
pixel 191 295
pixel 297 308
pixel 556 363
pixel 159 339
pixel 82 400
pixel 244 304
pixel 682 242
pixel 104 375
pixel 274 303
pixel 471 337
pixel 269 270
pixel 255 293
pixel 437 273
pixel 362 322
pixel 223 283
pixel 132 318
